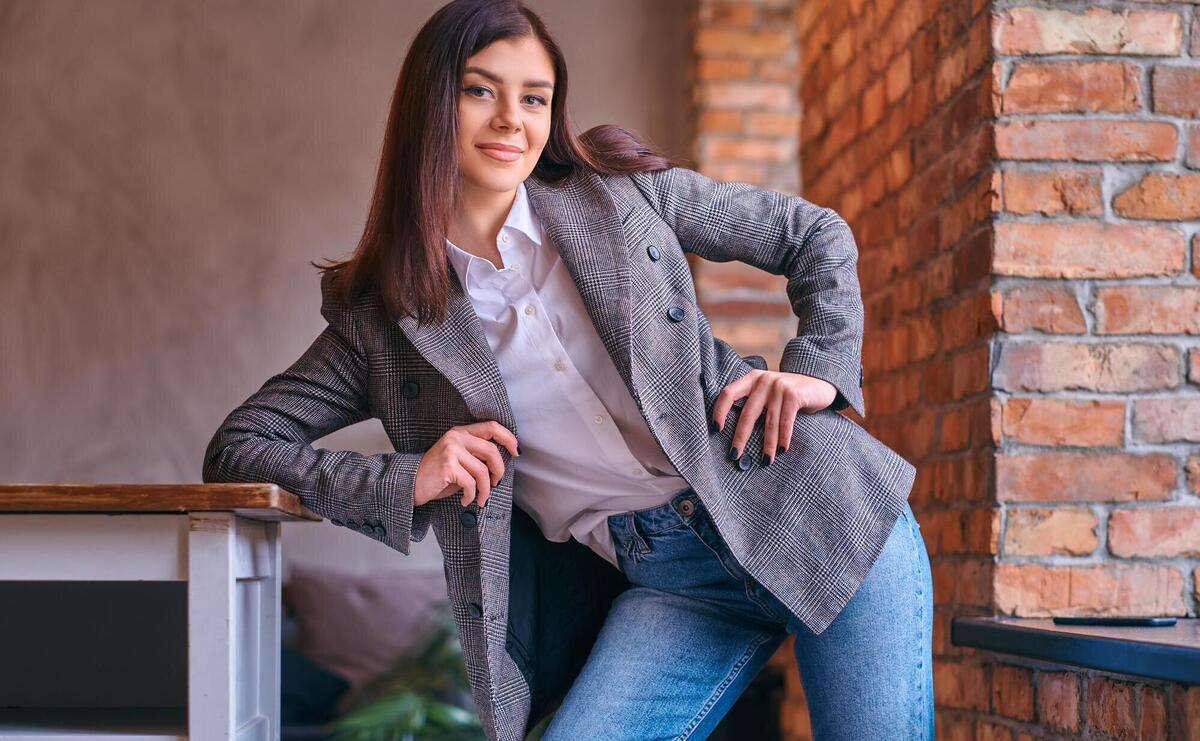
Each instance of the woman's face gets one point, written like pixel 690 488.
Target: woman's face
pixel 504 99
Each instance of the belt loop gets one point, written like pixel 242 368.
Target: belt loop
pixel 637 544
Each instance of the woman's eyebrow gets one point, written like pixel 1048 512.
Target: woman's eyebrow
pixel 496 78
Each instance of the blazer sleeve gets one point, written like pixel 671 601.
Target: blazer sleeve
pixel 267 439
pixel 783 235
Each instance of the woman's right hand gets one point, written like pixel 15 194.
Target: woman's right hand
pixel 463 458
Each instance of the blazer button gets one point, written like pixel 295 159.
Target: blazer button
pixel 410 389
pixel 474 610
pixel 676 313
pixel 744 462
pixel 653 252
pixel 467 518
pixel 353 525
pixel 380 531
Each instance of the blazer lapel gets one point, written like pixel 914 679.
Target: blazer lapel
pixel 583 223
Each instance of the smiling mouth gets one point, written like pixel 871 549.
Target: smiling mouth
pixel 500 155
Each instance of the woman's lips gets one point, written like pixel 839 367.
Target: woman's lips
pixel 500 154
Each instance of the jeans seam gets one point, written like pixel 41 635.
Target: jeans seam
pixel 920 622
pixel 717 693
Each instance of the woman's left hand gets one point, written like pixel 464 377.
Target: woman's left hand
pixel 782 394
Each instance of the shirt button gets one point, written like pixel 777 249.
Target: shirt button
pixel 529 309
pixel 636 471
pixel 598 419
pixel 503 237
pixel 558 365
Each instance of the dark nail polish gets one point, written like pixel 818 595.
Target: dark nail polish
pixel 780 451
pixel 732 454
pixel 518 449
pixel 713 426
pixel 766 459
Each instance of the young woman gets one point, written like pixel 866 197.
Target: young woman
pixel 632 516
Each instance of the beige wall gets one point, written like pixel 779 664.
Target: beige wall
pixel 169 170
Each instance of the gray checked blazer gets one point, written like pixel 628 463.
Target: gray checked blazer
pixel 808 527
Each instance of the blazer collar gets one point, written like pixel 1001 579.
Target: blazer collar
pixel 584 224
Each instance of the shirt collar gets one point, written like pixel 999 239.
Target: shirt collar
pixel 521 217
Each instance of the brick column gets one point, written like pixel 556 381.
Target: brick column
pixel 1022 180
pixel 747 129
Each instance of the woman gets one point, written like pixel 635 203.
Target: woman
pixel 677 510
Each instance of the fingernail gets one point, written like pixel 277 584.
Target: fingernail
pixel 713 426
pixel 732 454
pixel 779 451
pixel 518 448
pixel 766 459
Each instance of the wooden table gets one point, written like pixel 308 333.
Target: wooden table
pixel 141 611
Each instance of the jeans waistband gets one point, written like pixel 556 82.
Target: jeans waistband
pixel 654 519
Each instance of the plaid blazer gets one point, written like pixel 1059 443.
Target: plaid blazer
pixel 808 527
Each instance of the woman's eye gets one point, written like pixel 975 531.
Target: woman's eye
pixel 473 88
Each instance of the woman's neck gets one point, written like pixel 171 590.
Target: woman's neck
pixel 478 219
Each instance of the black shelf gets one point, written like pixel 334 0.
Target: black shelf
pixel 1169 653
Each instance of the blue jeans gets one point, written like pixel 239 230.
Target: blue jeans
pixel 694 628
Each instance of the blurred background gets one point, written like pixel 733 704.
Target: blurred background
pixel 170 170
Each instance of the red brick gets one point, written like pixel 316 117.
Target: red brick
pixel 1185 712
pixel 727 14
pixel 1147 310
pixel 1154 531
pixel 1087 249
pixel 1194 361
pixel 1034 590
pixel 1084 477
pixel 742 43
pixel 966 427
pixel 1053 192
pixel 720 122
pixel 1012 691
pixel 1088 140
pixel 1072 87
pixel 723 68
pixel 1153 723
pixel 960 685
pixel 1106 367
pixel 1051 309
pixel 1068 531
pixel 1167 420
pixel 988 731
pixel 973 531
pixel 898 76
pixel 1058 700
pixel 1082 422
pixel 1193 142
pixel 1095 31
pixel 743 95
pixel 772 123
pixel 1192 468
pixel 1110 708
pixel 1176 90
pixel 1161 195
pixel 754 150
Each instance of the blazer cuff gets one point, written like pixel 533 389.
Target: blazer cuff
pixel 396 496
pixel 798 358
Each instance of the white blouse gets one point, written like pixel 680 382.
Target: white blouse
pixel 586 451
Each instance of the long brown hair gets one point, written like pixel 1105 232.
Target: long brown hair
pixel 401 256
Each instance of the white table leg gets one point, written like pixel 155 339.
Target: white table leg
pixel 233 628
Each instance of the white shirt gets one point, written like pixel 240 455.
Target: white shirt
pixel 586 451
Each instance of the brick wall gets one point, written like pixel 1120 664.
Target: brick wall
pixel 1023 180
pixel 747 114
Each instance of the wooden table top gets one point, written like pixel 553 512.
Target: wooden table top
pixel 254 501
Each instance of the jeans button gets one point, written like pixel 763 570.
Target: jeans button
pixel 686 508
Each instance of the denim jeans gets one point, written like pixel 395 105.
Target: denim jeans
pixel 694 628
